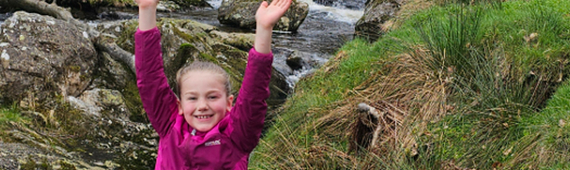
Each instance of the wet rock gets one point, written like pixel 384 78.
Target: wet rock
pixel 376 13
pixel 350 4
pixel 295 62
pixel 195 3
pixel 242 13
pixel 280 60
pixel 117 15
pixel 43 57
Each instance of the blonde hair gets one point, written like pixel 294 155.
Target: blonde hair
pixel 203 66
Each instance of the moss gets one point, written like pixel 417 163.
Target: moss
pixel 110 98
pixel 74 68
pixel 208 57
pixel 184 36
pixel 32 164
pixel 127 35
pixel 133 102
pixel 66 165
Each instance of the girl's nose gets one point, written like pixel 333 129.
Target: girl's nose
pixel 202 105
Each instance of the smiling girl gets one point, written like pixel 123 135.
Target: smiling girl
pixel 201 129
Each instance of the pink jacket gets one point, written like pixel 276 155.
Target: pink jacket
pixel 228 144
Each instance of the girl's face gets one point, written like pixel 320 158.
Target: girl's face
pixel 203 99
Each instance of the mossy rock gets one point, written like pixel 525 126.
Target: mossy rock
pixel 242 13
pixel 43 57
pixel 376 13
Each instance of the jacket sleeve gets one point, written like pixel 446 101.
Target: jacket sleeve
pixel 158 100
pixel 248 113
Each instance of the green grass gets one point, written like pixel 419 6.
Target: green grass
pixel 501 80
pixel 10 114
pixel 553 127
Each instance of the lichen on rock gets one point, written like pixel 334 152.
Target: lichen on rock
pixel 43 59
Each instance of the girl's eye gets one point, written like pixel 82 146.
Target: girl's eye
pixel 213 97
pixel 192 98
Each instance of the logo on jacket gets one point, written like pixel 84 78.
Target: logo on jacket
pixel 212 143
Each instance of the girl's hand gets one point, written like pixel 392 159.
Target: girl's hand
pixel 147 14
pixel 143 4
pixel 268 15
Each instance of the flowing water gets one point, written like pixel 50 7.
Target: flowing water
pixel 324 31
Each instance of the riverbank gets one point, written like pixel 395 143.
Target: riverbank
pixel 456 86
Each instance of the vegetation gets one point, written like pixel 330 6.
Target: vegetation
pixel 460 85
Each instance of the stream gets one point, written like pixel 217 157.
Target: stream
pixel 325 30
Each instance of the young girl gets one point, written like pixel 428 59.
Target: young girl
pixel 201 129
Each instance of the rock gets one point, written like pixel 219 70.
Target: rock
pixel 190 3
pixel 241 41
pixel 280 56
pixel 242 13
pixel 43 57
pixel 97 100
pixel 167 6
pixel 111 74
pixel 96 3
pixel 295 62
pixel 376 13
pixel 350 4
pixel 117 15
pixel 11 152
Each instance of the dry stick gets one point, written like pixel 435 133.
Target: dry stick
pixel 372 111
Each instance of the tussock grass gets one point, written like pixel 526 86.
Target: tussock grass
pixel 458 86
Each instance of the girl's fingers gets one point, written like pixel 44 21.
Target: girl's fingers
pixel 264 4
pixel 284 3
pixel 280 4
pixel 274 2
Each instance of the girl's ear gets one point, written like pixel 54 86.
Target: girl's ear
pixel 230 102
pixel 180 110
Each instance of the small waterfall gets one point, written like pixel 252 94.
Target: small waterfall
pixel 336 12
pixel 215 3
pixel 325 29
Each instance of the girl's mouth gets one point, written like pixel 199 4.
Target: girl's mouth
pixel 203 116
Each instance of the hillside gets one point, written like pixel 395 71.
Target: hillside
pixel 459 85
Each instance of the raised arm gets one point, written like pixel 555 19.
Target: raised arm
pixel 266 17
pixel 158 100
pixel 250 108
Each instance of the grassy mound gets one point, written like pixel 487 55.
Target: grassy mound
pixel 456 86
